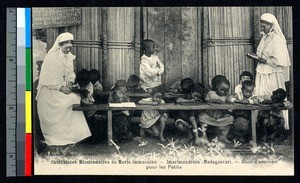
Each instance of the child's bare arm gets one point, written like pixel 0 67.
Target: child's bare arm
pixel 182 100
pixel 145 102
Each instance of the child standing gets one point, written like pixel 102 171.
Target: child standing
pixel 220 118
pixel 186 120
pixel 151 68
pixel 244 76
pixel 151 118
pixel 121 119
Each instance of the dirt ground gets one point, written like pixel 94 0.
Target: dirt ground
pixel 96 147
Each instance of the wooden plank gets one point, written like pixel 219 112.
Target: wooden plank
pixel 172 106
pixel 173 47
pixel 104 49
pixel 189 43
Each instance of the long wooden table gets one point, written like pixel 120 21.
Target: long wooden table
pixel 172 106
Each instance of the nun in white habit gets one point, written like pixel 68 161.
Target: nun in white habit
pixel 272 70
pixel 59 123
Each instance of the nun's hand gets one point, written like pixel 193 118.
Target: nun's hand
pixel 66 90
pixel 261 60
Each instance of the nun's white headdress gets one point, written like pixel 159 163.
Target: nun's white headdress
pixel 66 36
pixel 268 17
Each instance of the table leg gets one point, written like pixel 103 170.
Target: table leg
pixel 109 127
pixel 254 114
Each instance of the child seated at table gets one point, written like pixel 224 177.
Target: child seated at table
pixel 94 78
pixel 214 82
pixel 273 120
pixel 246 94
pixel 152 121
pixel 120 119
pixel 133 84
pixel 151 68
pixel 175 88
pixel 241 124
pixel 244 76
pixel 84 86
pixel 186 120
pixel 220 118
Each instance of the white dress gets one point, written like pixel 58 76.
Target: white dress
pixel 149 117
pixel 59 123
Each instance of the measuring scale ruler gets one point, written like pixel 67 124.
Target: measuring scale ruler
pixel 18 61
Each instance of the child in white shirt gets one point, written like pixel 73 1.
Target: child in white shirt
pixel 151 68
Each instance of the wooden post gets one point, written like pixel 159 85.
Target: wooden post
pixel 109 128
pixel 104 47
pixel 199 43
pixel 254 114
pixel 138 28
pixel 52 34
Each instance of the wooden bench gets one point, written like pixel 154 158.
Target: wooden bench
pixel 172 106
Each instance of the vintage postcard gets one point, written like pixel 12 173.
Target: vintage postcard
pixel 163 90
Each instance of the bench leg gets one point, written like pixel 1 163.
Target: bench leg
pixel 109 128
pixel 254 114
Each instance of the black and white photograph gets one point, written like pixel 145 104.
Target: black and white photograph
pixel 204 90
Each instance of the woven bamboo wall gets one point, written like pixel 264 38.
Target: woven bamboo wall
pixel 227 35
pixel 195 42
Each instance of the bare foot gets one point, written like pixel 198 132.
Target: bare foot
pixel 272 136
pixel 185 141
pixel 197 142
pixel 142 133
pixel 264 138
pixel 162 139
pixel 224 139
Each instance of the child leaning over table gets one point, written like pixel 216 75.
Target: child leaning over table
pixel 219 118
pixel 152 121
pixel 151 68
pixel 94 78
pixel 186 120
pixel 133 84
pixel 273 120
pixel 121 119
pixel 83 83
pixel 244 76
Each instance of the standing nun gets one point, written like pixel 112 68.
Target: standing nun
pixel 272 70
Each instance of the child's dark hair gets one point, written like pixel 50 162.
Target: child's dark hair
pixel 94 75
pixel 201 89
pixel 246 73
pixel 279 95
pixel 120 83
pixel 223 80
pixel 82 78
pixel 247 84
pixel 146 42
pixel 133 81
pixel 187 85
pixel 216 80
